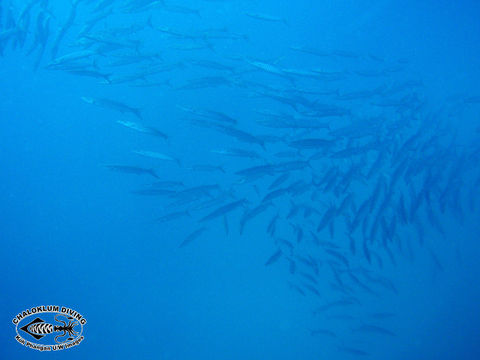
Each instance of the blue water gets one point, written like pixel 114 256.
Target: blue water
pixel 75 233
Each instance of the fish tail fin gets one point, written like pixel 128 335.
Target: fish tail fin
pixel 37 62
pixel 149 22
pixel 154 174
pixel 309 162
pixel 138 113
pixel 107 78
pixel 138 44
pixel 210 46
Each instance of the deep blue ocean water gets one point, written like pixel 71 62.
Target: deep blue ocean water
pixel 367 109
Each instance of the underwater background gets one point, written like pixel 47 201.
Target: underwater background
pixel 222 179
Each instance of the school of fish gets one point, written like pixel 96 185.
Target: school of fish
pixel 336 170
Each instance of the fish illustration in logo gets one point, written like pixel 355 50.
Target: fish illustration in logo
pixel 38 328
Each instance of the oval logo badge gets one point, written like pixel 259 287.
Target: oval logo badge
pixel 49 328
